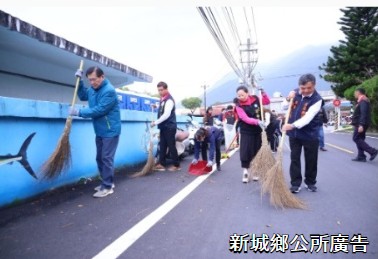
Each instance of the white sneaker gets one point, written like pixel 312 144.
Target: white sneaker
pixel 103 193
pixel 245 176
pixel 98 188
pixel 255 178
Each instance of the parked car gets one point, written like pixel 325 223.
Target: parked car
pixel 331 123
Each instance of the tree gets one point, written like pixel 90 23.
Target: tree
pixel 371 88
pixel 356 58
pixel 125 88
pixel 191 103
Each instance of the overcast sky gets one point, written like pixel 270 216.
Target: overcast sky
pixel 173 44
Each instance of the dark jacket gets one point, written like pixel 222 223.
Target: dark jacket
pixel 361 115
pixel 298 110
pixel 169 123
pixel 274 125
pixel 103 109
pixel 229 116
pixel 253 111
pixel 322 117
pixel 208 120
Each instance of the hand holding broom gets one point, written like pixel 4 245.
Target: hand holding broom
pixel 60 159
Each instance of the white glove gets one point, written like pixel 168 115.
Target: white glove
pixel 210 164
pixel 79 73
pixel 195 161
pixel 261 124
pixel 73 112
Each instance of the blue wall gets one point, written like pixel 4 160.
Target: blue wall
pixel 20 117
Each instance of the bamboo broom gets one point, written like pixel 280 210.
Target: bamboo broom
pixel 60 159
pixel 148 167
pixel 275 183
pixel 264 159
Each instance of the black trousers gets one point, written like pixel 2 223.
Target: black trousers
pixel 310 148
pixel 272 139
pixel 168 141
pixel 249 146
pixel 362 146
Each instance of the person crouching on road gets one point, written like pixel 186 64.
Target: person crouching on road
pixel 250 124
pixel 202 138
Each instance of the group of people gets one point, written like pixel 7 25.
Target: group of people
pixel 303 128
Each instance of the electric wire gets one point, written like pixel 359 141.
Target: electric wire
pixel 226 32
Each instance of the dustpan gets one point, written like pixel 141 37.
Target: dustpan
pixel 200 168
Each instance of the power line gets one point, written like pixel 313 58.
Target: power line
pixel 226 32
pixel 215 30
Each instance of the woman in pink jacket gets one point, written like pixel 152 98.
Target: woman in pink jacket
pixel 249 112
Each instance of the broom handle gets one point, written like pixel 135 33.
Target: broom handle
pixel 77 84
pixel 261 106
pixel 152 117
pixel 286 121
pixel 233 140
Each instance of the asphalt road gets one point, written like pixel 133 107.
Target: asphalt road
pixel 177 215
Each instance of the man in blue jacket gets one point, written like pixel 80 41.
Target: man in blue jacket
pixel 202 138
pixel 104 111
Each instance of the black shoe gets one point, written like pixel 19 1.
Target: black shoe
pixel 311 188
pixel 219 168
pixel 373 155
pixel 357 159
pixel 323 149
pixel 295 189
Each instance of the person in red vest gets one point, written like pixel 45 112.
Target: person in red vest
pixel 167 125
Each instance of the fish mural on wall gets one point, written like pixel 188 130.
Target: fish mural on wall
pixel 21 157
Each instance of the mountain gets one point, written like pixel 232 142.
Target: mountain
pixel 279 76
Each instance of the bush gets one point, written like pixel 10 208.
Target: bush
pixel 371 88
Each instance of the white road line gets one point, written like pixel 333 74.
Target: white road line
pixel 122 243
pixel 340 148
pixel 328 144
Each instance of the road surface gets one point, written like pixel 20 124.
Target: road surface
pixel 178 215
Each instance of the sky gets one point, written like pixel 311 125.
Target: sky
pixel 172 43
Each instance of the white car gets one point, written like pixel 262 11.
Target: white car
pixel 331 123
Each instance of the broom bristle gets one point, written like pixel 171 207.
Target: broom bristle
pixel 148 167
pixel 263 160
pixel 275 184
pixel 60 159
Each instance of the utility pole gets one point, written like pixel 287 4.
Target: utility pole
pixel 248 60
pixel 204 96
